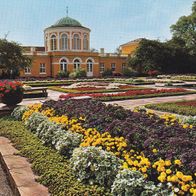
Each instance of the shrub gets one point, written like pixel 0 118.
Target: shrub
pixel 107 72
pixel 68 142
pixel 94 166
pixel 34 121
pixel 73 75
pixel 132 183
pixel 63 74
pixel 80 73
pixel 128 72
pixel 49 132
pixel 18 112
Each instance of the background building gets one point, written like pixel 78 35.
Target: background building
pixel 67 48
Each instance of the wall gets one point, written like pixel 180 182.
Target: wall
pixel 129 48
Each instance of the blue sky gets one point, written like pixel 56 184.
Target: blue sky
pixel 112 22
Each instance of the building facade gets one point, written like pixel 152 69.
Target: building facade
pixel 67 48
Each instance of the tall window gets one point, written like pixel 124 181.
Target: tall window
pixel 113 66
pixel 42 68
pixel 53 42
pixel 63 65
pixel 101 67
pixel 64 42
pixel 89 66
pixel 76 42
pixel 76 64
pixel 123 66
pixel 27 70
pixel 85 42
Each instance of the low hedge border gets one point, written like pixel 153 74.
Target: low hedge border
pixel 173 108
pixel 94 91
pixel 143 96
pixel 53 169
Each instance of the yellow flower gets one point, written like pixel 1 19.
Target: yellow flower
pixel 167 162
pixel 168 171
pixel 154 150
pixel 177 162
pixel 185 187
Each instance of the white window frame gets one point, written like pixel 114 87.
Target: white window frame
pixel 77 64
pixel 89 65
pixel 64 42
pixel 101 67
pixel 63 65
pixel 53 42
pixel 27 70
pixel 123 66
pixel 113 66
pixel 76 42
pixel 42 68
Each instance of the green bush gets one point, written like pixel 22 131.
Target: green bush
pixel 68 142
pixel 18 112
pixel 132 183
pixel 54 171
pixel 34 121
pixel 95 166
pixel 128 72
pixel 107 72
pixel 63 74
pixel 80 73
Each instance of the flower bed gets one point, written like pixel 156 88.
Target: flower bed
pixel 140 140
pixel 183 107
pixel 130 94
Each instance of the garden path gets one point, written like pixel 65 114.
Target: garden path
pixel 132 103
pixel 5 189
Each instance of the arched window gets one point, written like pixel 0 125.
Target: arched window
pixel 76 42
pixel 89 66
pixel 53 42
pixel 64 42
pixel 85 42
pixel 76 64
pixel 63 65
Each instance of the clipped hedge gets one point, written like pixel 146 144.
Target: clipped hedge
pixel 174 107
pixel 53 169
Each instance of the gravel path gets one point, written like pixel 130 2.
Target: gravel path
pixel 5 189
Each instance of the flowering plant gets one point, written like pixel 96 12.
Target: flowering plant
pixel 11 92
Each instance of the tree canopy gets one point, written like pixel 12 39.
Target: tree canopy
pixel 177 55
pixel 185 29
pixel 11 56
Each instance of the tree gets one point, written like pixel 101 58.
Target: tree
pixel 150 55
pixel 11 57
pixel 185 29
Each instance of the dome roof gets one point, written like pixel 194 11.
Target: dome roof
pixel 67 22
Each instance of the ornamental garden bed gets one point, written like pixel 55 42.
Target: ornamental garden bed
pixel 131 94
pixel 95 87
pixel 187 108
pixel 129 153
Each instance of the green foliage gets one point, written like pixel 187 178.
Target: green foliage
pixel 107 72
pixel 68 142
pixel 63 74
pixel 11 56
pixel 80 73
pixel 49 132
pixel 185 30
pixel 53 169
pixel 174 108
pixel 18 112
pixel 34 121
pixel 132 183
pixel 128 72
pixel 95 166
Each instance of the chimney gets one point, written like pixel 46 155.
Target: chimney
pixel 102 51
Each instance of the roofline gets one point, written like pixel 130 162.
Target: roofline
pixel 134 41
pixel 53 27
